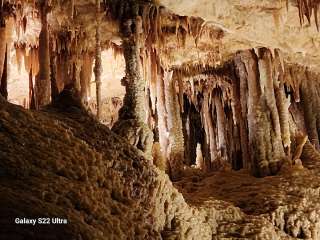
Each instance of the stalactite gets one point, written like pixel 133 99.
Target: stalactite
pixel 199 159
pixel 98 63
pixel 43 83
pixel 4 77
pixel 305 8
pixel 176 140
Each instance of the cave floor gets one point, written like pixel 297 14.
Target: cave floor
pixel 290 200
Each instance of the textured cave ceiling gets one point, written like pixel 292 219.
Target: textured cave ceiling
pixel 239 24
pixel 253 23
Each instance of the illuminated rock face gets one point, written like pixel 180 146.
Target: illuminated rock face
pixel 214 131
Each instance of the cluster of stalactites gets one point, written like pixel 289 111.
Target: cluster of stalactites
pixel 244 111
pixel 251 112
pixel 211 96
pixel 73 59
pixel 156 23
pixel 6 11
pixel 306 9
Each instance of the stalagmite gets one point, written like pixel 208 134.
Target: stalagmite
pixel 199 159
pixel 176 140
pixel 98 63
pixel 43 83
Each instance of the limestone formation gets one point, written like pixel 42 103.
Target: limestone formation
pixel 213 106
pixel 132 118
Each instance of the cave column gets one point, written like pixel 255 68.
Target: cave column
pixel 132 116
pixel 133 81
pixel 176 139
pixel 98 62
pixel 162 117
pixel 43 81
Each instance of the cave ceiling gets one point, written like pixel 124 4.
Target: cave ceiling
pixel 254 23
pixel 227 26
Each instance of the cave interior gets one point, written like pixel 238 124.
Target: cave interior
pixel 159 119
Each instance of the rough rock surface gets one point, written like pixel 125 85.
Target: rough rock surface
pixel 63 163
